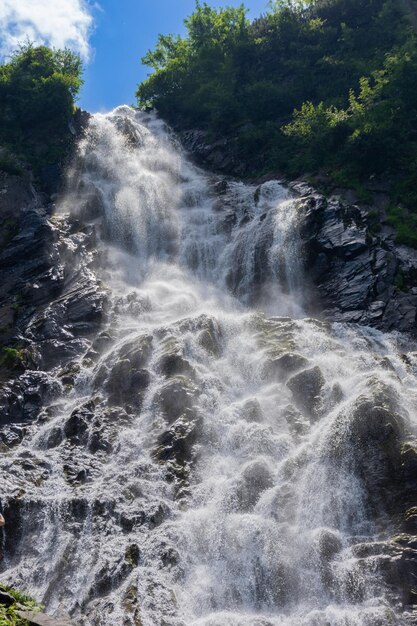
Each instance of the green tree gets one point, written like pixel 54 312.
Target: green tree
pixel 38 87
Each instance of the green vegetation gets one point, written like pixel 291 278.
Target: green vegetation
pixel 11 358
pixel 326 86
pixel 38 87
pixel 405 223
pixel 8 615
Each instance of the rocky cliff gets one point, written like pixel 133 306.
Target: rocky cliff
pixel 51 301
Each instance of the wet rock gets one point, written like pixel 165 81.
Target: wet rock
pixel 170 557
pixel 91 204
pixel 76 313
pixel 256 478
pixel 276 335
pixel 74 475
pixel 102 342
pixel 128 129
pixel 129 521
pixel 370 435
pixel 410 521
pixel 126 384
pixel 173 364
pixel 374 548
pixel 54 438
pixel 172 360
pixel 409 465
pixel 123 374
pixel 370 422
pixel 336 394
pixel 177 396
pixel 69 373
pixel 78 423
pixel 23 399
pixel 110 577
pixel 137 351
pixel 285 365
pixel 252 411
pixel 51 305
pixel 11 436
pixel 83 308
pixel 328 544
pixel 6 599
pixel 160 513
pixel 98 441
pixel 176 443
pixel 402 570
pixel 297 424
pixel 210 338
pixel 54 351
pixel 358 274
pixel 132 555
pixel 306 388
pixel 129 603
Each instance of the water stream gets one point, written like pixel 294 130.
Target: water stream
pixel 223 465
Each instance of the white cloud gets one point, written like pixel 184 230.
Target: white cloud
pixel 58 23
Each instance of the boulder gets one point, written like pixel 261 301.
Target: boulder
pixel 209 338
pixel 283 366
pixel 123 374
pixel 6 599
pixel 176 443
pixel 172 360
pixel 252 411
pixel 256 477
pixel 77 425
pixel 177 396
pixel 306 388
pixel 328 544
pixel 297 424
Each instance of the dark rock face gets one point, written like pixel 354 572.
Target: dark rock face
pixel 358 275
pixel 306 387
pixel 220 155
pixel 177 395
pixel 51 302
pixel 124 375
pixel 6 599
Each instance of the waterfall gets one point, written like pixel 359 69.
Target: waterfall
pixel 222 459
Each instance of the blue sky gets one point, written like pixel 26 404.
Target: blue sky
pixel 123 32
pixel 110 35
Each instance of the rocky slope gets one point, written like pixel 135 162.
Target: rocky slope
pixel 359 273
pixel 51 302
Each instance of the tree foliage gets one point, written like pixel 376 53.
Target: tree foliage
pixel 309 85
pixel 38 87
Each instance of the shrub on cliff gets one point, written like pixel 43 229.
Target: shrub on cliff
pixel 38 87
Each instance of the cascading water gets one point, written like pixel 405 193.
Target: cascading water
pixel 221 459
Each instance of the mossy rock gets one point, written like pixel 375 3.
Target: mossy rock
pixel 13 359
